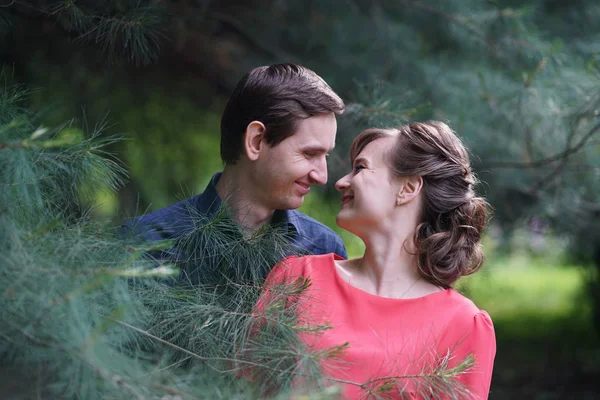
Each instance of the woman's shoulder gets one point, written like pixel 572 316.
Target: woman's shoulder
pixel 306 265
pixel 459 301
pixel 464 312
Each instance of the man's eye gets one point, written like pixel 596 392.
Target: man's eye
pixel 310 154
pixel 357 168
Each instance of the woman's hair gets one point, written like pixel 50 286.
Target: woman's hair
pixel 453 217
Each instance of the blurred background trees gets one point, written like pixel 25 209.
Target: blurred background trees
pixel 519 81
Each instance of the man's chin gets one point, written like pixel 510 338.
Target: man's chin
pixel 297 203
pixel 291 203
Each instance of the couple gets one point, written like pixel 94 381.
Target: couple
pixel 409 196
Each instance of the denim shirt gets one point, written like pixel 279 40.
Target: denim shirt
pixel 307 235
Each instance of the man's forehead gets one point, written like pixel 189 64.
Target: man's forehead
pixel 316 131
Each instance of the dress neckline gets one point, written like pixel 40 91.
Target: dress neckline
pixel 332 257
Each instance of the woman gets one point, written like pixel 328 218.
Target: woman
pixel 410 197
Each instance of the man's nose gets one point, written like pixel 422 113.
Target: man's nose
pixel 319 174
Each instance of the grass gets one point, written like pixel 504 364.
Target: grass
pixel 524 288
pixel 547 347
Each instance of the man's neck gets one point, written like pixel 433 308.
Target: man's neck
pixel 238 192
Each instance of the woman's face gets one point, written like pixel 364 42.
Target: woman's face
pixel 369 190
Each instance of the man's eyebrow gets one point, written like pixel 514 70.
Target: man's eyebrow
pixel 316 149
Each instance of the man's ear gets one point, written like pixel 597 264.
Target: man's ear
pixel 409 189
pixel 253 141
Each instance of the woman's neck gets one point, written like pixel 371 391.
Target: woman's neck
pixel 388 267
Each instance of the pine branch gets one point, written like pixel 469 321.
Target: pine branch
pixel 160 271
pixel 442 375
pixel 129 29
pixel 240 29
pixel 455 18
pixel 562 156
pixel 187 352
pixel 116 380
pixel 139 35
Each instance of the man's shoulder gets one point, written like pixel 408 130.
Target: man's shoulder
pixel 317 237
pixel 165 222
pixel 177 218
pixel 311 225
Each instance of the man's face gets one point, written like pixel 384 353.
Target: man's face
pixel 284 173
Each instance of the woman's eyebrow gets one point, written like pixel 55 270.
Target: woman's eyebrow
pixel 359 160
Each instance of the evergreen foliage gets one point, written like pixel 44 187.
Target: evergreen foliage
pixel 519 81
pixel 129 29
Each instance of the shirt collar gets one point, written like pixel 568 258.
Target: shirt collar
pixel 293 222
pixel 209 203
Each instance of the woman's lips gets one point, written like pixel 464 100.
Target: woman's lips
pixel 346 198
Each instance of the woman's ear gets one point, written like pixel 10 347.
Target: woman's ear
pixel 409 189
pixel 253 140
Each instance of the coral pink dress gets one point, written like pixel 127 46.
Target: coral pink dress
pixel 389 337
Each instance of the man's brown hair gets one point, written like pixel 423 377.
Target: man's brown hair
pixel 279 96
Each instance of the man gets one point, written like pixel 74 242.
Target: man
pixel 276 131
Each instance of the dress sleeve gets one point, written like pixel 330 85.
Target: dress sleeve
pixel 277 277
pixel 280 274
pixel 481 343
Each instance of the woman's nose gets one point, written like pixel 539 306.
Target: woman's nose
pixel 342 183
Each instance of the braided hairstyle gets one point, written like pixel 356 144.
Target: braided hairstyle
pixel 448 237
